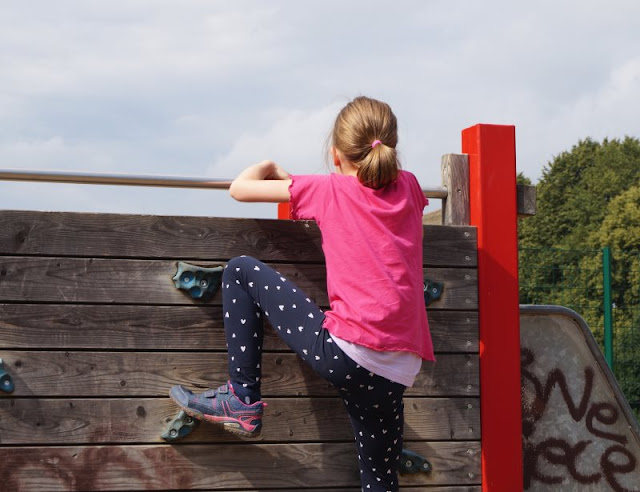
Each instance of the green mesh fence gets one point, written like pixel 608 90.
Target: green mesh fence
pixel 626 324
pixel 575 279
pixel 570 278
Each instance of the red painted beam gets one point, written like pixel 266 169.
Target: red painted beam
pixel 284 210
pixel 493 207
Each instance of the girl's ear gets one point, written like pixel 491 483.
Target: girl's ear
pixel 336 157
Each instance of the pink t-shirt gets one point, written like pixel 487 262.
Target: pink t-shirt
pixel 372 242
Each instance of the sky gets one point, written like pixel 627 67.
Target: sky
pixel 205 88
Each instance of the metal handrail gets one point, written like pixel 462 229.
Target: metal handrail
pixel 141 180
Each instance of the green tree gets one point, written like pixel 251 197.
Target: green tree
pixel 589 198
pixel 575 189
pixel 620 230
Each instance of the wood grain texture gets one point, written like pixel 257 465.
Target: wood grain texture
pixel 197 327
pixel 115 281
pixel 196 238
pixel 121 374
pixel 94 334
pixel 411 488
pixel 218 466
pixel 455 177
pixel 47 421
pixel 527 200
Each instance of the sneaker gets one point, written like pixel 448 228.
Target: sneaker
pixel 221 406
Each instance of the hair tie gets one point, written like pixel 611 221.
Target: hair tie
pixel 375 142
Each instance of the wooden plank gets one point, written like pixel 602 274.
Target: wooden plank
pixel 412 488
pixel 429 488
pixel 527 200
pixel 218 466
pixel 60 326
pixel 46 421
pixel 120 374
pixel 88 280
pixel 455 177
pixel 199 238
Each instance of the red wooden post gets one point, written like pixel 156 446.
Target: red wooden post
pixel 284 210
pixel 493 207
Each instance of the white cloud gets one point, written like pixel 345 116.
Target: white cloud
pixel 296 140
pixel 206 88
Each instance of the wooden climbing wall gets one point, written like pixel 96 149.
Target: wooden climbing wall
pixel 94 333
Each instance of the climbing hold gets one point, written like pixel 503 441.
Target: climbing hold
pixel 6 381
pixel 199 282
pixel 432 291
pixel 181 426
pixel 411 462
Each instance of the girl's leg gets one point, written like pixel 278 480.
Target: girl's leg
pixel 251 291
pixel 375 409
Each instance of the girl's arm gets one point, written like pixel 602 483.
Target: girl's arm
pixel 262 182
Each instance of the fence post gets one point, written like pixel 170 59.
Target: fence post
pixel 493 210
pixel 608 311
pixel 455 177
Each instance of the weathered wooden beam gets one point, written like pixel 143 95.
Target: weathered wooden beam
pixel 140 420
pixel 527 200
pixel 455 177
pixel 196 238
pixel 113 281
pixel 455 208
pixel 124 374
pixel 196 327
pixel 235 466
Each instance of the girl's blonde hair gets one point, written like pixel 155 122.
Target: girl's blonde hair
pixel 366 133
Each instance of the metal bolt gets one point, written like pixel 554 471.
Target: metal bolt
pixel 469 406
pixel 173 433
pixel 471 475
pixel 408 464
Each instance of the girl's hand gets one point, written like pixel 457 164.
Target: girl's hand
pixel 276 171
pixel 262 182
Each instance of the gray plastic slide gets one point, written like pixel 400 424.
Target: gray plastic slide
pixel 578 431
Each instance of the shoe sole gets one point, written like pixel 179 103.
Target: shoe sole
pixel 229 425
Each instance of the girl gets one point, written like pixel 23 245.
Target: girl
pixel 371 343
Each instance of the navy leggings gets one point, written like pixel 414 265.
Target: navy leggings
pixel 252 290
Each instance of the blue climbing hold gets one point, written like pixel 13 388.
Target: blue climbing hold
pixel 6 381
pixel 432 291
pixel 199 282
pixel 411 462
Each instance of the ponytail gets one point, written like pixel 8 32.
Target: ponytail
pixel 379 167
pixel 366 132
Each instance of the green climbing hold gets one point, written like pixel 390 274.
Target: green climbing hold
pixel 181 426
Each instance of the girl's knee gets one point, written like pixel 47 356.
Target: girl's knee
pixel 239 264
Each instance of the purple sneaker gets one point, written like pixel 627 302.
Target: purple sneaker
pixel 221 406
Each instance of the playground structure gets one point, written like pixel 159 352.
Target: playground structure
pixel 93 332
